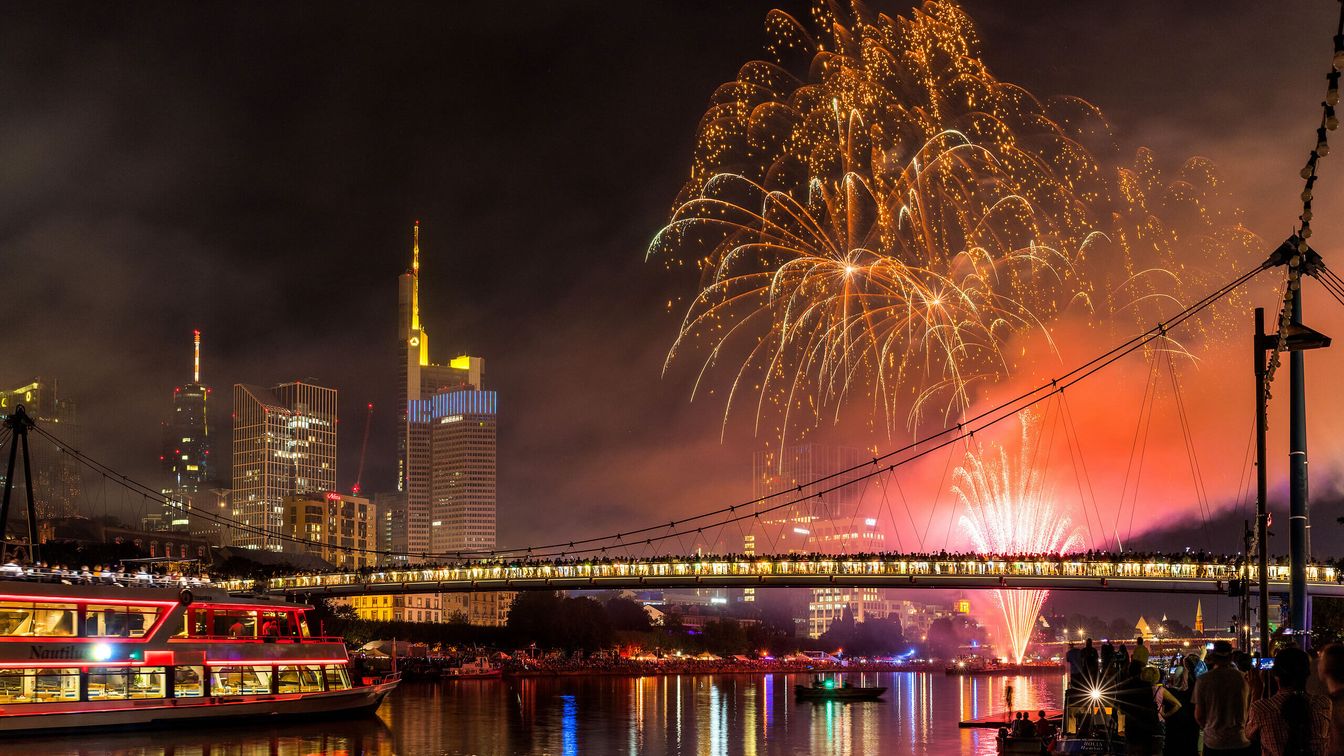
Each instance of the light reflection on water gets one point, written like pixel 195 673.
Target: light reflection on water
pixel 722 715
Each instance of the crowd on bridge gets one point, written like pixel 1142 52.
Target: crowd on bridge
pixel 1194 564
pixel 143 575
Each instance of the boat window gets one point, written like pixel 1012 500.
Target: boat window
pixel 187 682
pixel 310 678
pixel 276 624
pixel 234 681
pixel 11 685
pixel 337 678
pixel 54 620
pixel 287 679
pixel 108 683
pixel 147 682
pixel 119 621
pixel 55 684
pixel 235 623
pixel 303 625
pixel 196 622
pixel 41 620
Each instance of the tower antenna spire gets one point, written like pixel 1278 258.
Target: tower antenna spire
pixel 196 356
pixel 415 278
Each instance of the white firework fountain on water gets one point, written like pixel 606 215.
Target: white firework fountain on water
pixel 1008 511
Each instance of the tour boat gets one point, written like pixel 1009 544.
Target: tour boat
pixel 105 656
pixel 479 669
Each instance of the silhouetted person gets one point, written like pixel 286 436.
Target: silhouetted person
pixel 1091 662
pixel 1292 721
pixel 1332 674
pixel 1140 654
pixel 1220 704
pixel 1043 727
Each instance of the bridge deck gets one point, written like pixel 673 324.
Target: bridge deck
pixel 883 571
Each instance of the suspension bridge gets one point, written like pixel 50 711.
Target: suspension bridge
pixel 885 570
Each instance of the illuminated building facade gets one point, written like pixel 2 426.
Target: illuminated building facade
pixel 419 380
pixel 829 604
pixel 827 524
pixel 337 526
pixel 462 429
pixel 802 526
pixel 56 478
pixel 425 607
pixel 482 609
pixel 391 522
pixel 186 450
pixel 284 443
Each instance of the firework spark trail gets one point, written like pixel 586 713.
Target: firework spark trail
pixel 875 216
pixel 1008 511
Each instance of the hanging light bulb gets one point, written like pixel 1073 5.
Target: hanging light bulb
pixel 1332 94
pixel 1339 52
pixel 1331 120
pixel 1309 168
pixel 1322 145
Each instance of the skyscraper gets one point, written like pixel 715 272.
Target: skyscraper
pixel 421 379
pixel 56 478
pixel 805 525
pixel 284 443
pixel 186 448
pixel 828 523
pixel 462 431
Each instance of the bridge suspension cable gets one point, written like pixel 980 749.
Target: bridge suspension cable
pixel 696 524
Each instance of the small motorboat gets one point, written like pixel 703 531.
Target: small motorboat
pixel 479 669
pixel 830 690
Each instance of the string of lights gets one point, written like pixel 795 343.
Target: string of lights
pixel 1305 260
pixel 742 511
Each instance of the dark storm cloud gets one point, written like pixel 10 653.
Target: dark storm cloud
pixel 253 170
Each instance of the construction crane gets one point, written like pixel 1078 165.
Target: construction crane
pixel 363 447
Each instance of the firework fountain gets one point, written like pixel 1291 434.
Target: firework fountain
pixel 1009 511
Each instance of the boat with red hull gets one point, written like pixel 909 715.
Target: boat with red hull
pixel 106 656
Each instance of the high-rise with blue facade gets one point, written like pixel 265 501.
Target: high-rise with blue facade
pixel 421 380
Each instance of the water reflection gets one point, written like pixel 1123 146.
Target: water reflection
pixel 712 714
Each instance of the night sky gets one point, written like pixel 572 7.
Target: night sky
pixel 254 170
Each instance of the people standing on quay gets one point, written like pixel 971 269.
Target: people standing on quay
pixel 1091 662
pixel 1140 654
pixel 1220 704
pixel 1074 657
pixel 1292 722
pixel 1182 729
pixel 1138 695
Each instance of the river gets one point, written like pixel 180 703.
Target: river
pixel 606 716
